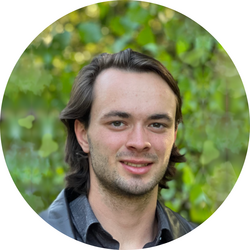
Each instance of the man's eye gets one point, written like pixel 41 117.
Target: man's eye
pixel 117 124
pixel 157 125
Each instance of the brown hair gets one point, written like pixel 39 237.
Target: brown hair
pixel 79 107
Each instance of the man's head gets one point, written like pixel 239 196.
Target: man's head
pixel 139 91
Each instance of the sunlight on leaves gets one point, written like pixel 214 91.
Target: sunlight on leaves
pixel 27 121
pixel 48 146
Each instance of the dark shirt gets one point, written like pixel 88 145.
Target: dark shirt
pixel 89 230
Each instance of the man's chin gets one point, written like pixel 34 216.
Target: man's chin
pixel 134 189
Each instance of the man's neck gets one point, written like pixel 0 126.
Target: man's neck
pixel 130 220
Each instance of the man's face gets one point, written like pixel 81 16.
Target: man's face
pixel 131 131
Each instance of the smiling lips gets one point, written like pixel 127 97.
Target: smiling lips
pixel 137 168
pixel 135 165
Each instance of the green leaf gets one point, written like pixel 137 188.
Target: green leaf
pixel 121 43
pixel 181 46
pixel 90 32
pixel 145 36
pixel 26 122
pixel 48 146
pixel 209 152
pixel 62 39
pixel 192 57
pixel 173 204
pixel 168 194
pixel 151 47
pixel 137 14
pixel 188 177
pixel 204 42
pixel 195 193
pixel 200 212
pixel 116 26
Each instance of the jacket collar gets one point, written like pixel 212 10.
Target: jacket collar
pixel 84 217
pixel 59 216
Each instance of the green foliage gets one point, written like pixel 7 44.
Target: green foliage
pixel 28 76
pixel 48 146
pixel 215 132
pixel 27 121
pixel 89 32
pixel 209 153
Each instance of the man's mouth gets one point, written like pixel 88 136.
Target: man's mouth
pixel 137 168
pixel 136 165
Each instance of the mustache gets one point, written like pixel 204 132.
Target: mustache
pixel 149 156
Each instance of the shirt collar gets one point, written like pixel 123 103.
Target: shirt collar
pixel 83 217
pixel 82 214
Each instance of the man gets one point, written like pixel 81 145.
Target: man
pixel 122 121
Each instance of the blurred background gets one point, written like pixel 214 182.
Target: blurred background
pixel 215 132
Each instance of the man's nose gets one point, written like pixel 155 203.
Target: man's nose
pixel 138 139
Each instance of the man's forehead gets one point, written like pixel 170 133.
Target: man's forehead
pixel 137 93
pixel 113 78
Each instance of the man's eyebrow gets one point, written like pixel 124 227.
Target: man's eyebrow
pixel 116 113
pixel 164 116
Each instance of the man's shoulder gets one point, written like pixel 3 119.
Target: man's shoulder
pixel 57 215
pixel 178 225
pixel 56 206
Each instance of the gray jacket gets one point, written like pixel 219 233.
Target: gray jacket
pixel 58 216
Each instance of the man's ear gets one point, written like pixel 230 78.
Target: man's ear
pixel 81 135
